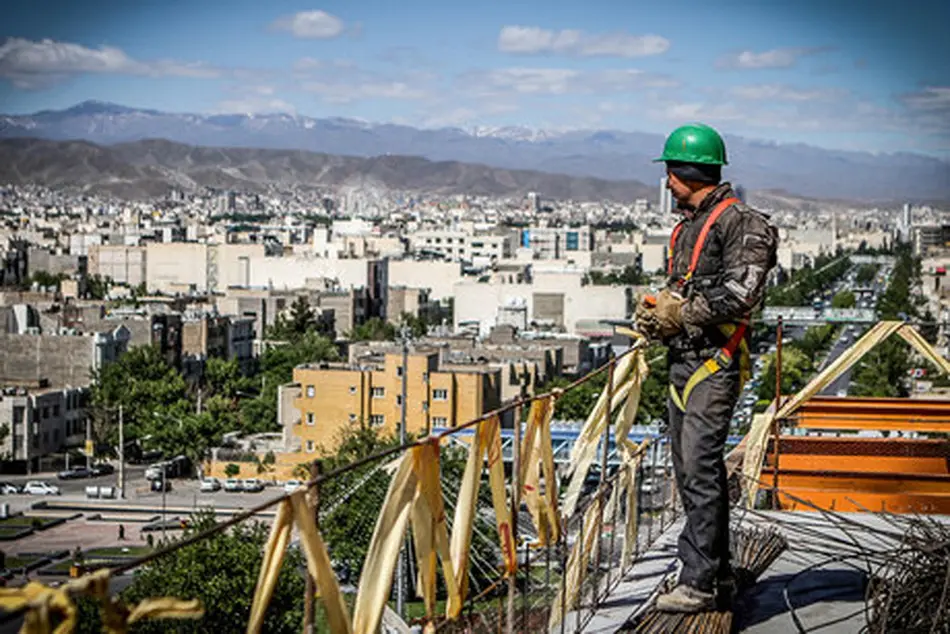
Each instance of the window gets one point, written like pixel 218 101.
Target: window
pixel 439 421
pixel 309 446
pixel 399 399
pixel 425 406
pixel 55 410
pixel 310 418
pixel 352 417
pixel 399 370
pixel 310 391
pixel 352 389
pixel 377 420
pixel 45 412
pixel 379 392
pixel 440 395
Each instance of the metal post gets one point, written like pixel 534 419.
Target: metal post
pixel 198 405
pixel 515 507
pixel 778 405
pixel 608 418
pixel 121 455
pixel 88 457
pixel 403 554
pixel 310 589
pixel 164 486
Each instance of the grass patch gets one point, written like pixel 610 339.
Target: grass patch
pixel 26 521
pixel 62 568
pixel 118 551
pixel 14 532
pixel 16 563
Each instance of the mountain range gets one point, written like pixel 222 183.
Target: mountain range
pixel 600 154
pixel 154 167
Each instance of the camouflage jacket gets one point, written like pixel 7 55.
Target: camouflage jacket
pixel 731 274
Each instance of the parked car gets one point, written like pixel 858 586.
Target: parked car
pixel 102 469
pixel 292 485
pixel 8 488
pixel 160 485
pixel 38 487
pixel 77 473
pixel 155 471
pixel 233 485
pixel 210 485
pixel 252 485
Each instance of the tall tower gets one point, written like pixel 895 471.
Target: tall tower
pixel 666 198
pixel 834 232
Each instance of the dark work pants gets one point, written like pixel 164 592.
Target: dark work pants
pixel 698 439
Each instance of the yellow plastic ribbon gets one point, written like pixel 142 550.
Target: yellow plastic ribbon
pixel 41 602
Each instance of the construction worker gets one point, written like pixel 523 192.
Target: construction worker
pixel 720 254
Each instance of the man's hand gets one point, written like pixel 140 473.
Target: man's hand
pixel 645 315
pixel 668 313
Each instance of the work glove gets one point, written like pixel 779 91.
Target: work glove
pixel 669 313
pixel 645 315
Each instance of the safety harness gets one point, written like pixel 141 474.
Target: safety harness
pixel 736 332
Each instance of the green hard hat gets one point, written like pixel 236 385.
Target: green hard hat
pixel 694 143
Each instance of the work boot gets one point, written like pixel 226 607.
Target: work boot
pixel 727 591
pixel 685 599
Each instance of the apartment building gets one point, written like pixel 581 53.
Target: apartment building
pixel 41 420
pixel 335 397
pixel 463 246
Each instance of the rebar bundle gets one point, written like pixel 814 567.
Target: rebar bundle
pixel 753 551
pixel 910 591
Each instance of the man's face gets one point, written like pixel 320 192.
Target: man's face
pixel 677 187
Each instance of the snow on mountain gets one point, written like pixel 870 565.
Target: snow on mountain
pixel 609 154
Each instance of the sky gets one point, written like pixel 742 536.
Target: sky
pixel 868 75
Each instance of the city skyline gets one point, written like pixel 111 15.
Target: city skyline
pixel 834 77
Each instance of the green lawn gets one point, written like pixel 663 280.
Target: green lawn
pixel 25 521
pixel 90 564
pixel 15 563
pixel 119 551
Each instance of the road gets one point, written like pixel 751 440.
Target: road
pixel 184 492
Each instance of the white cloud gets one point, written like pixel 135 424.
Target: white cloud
pixel 310 25
pixel 558 81
pixel 928 99
pixel 34 64
pixel 533 39
pixel 775 58
pixel 343 81
pixel 254 104
pixel 780 92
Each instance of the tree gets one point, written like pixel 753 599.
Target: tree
pixel 277 365
pixel 46 279
pixel 843 299
pixel 97 287
pixel 296 324
pixel 866 274
pixel 232 470
pixel 796 368
pixel 418 326
pixel 143 383
pixel 374 329
pixel 221 571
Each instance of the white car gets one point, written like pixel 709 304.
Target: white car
pixel 210 485
pixel 233 485
pixel 36 487
pixel 252 485
pixel 292 485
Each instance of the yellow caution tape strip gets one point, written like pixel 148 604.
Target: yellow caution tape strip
pixel 41 602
